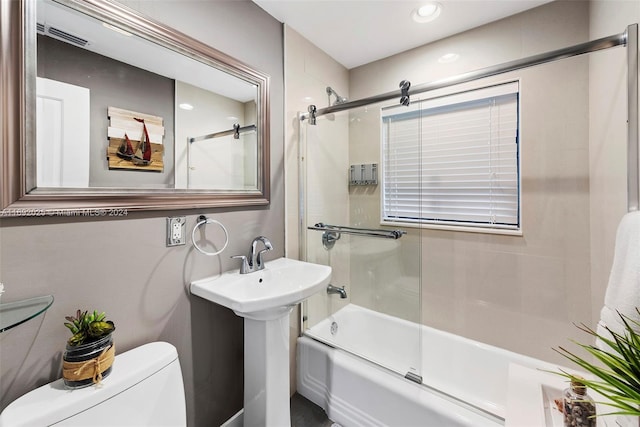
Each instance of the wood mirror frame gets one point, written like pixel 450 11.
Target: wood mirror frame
pixel 19 195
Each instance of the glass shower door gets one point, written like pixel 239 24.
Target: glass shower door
pixel 380 316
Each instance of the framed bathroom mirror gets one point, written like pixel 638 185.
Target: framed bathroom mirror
pixel 107 108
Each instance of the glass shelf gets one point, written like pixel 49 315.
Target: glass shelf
pixel 14 313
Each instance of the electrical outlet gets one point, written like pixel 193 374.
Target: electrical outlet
pixel 176 229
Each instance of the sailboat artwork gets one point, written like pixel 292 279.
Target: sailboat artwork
pixel 142 156
pixel 135 140
pixel 125 150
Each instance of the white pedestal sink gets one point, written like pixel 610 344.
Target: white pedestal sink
pixel 265 299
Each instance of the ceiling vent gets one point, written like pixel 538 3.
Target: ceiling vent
pixel 61 35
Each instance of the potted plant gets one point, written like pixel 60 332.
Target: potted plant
pixel 90 351
pixel 617 370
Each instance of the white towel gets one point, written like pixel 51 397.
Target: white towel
pixel 623 290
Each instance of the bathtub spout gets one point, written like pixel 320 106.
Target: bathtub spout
pixel 336 290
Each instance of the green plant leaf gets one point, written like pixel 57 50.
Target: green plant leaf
pixel 99 329
pixel 619 375
pixel 86 326
pixel 77 339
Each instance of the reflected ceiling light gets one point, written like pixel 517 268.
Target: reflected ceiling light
pixel 232 118
pixel 427 12
pixel 448 57
pixel 186 106
pixel 116 29
pixel 307 99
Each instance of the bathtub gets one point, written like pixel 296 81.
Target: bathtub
pixel 464 382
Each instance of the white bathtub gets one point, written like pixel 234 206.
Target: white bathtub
pixel 464 381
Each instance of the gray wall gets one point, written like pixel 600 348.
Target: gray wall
pixel 113 84
pixel 121 265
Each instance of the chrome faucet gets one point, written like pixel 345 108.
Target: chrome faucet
pixel 336 290
pixel 254 261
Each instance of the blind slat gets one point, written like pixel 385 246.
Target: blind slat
pixel 454 162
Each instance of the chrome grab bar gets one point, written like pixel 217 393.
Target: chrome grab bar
pixel 331 233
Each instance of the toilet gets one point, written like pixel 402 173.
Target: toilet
pixel 145 388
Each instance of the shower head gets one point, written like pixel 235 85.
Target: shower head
pixel 339 99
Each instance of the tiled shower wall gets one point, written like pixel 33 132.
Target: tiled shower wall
pixel 517 292
pixel 524 292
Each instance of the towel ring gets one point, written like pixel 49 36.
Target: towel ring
pixel 202 220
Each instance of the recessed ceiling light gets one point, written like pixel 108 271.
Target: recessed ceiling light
pixel 186 106
pixel 448 57
pixel 427 12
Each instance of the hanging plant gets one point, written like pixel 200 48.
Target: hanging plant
pixel 618 374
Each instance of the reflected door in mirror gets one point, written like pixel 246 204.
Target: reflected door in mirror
pixel 62 138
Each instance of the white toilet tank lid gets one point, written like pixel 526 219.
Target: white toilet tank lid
pixel 55 402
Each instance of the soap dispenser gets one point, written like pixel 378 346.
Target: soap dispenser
pixel 579 408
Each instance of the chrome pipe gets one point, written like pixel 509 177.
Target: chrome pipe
pixel 633 136
pixel 339 99
pixel 234 131
pixel 341 229
pixel 337 290
pixel 567 52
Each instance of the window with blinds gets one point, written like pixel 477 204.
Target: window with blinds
pixel 453 160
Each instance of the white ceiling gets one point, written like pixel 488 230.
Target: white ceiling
pixel 356 32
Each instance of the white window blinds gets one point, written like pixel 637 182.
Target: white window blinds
pixel 453 160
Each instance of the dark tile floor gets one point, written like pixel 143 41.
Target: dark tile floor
pixel 305 413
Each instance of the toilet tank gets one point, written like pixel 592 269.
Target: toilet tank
pixel 145 388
